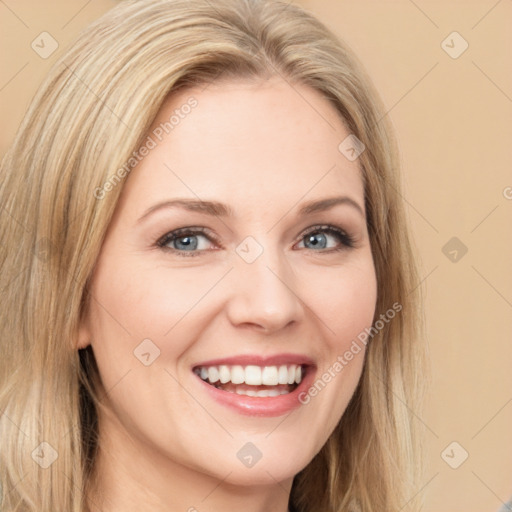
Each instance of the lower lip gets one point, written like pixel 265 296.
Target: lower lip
pixel 261 406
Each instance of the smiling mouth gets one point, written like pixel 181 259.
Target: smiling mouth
pixel 252 380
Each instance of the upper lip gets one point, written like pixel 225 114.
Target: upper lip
pixel 258 360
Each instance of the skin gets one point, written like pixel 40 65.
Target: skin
pixel 264 148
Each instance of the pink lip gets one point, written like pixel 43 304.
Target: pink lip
pixel 259 360
pixel 261 406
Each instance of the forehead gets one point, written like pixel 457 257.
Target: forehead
pixel 246 143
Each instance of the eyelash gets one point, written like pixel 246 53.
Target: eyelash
pixel 346 240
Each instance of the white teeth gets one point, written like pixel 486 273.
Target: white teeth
pixel 213 374
pixel 269 376
pixel 224 374
pixel 252 375
pixel 283 375
pixel 237 375
pixel 298 374
pixel 291 374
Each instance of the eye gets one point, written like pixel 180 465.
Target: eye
pixel 192 241
pixel 321 237
pixel 186 240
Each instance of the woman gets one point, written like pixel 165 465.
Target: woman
pixel 209 290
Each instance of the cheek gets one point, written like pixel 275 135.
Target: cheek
pixel 146 309
pixel 346 307
pixel 138 301
pixel 345 302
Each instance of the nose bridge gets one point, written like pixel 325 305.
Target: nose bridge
pixel 263 291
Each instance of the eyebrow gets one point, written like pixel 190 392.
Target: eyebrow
pixel 217 209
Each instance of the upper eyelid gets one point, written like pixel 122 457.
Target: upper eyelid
pixel 179 232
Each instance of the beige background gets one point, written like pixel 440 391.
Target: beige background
pixel 453 118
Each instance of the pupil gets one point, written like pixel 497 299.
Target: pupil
pixel 317 240
pixel 187 242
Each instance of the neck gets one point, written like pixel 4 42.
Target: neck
pixel 130 476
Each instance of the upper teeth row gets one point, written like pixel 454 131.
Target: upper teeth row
pixel 252 375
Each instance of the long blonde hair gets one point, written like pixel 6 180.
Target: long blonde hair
pixel 86 120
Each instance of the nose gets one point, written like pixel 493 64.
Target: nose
pixel 264 295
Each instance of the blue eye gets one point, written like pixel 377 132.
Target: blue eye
pixel 186 240
pixel 194 241
pixel 319 237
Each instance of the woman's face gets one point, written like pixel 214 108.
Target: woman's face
pixel 237 262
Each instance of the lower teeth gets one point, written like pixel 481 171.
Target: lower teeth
pixel 259 391
pixel 262 392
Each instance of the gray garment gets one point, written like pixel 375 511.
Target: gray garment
pixel 506 507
